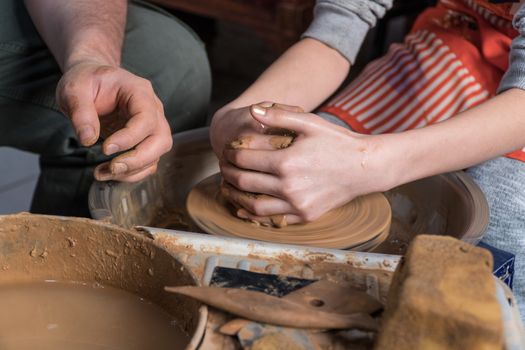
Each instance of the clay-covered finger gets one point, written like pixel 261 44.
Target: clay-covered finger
pixel 280 221
pixel 103 173
pixel 257 204
pixel 142 112
pixel 249 181
pixel 147 152
pixel 139 175
pixel 261 142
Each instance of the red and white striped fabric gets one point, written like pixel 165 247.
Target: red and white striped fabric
pixel 415 84
pixel 446 65
pixel 489 12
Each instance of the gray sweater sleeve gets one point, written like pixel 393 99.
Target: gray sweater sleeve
pixel 515 76
pixel 343 24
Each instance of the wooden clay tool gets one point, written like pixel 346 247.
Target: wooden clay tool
pixel 324 295
pixel 261 307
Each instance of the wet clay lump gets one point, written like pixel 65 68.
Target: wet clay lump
pixel 362 223
pixel 442 296
pixel 66 315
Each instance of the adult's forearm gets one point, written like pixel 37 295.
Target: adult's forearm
pixel 305 75
pixel 76 30
pixel 491 129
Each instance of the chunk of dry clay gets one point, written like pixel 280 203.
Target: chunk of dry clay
pixel 443 296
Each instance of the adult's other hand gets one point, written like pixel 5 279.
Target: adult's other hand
pixel 108 100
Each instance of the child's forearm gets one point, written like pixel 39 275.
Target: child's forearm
pixel 491 129
pixel 305 76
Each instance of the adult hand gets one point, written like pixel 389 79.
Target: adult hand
pixel 123 107
pixel 229 125
pixel 325 167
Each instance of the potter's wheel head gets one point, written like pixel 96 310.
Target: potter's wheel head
pixel 361 225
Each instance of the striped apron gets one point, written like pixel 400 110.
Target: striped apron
pixel 453 59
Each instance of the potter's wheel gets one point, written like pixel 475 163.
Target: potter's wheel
pixel 448 204
pixel 361 224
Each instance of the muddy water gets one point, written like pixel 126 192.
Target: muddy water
pixel 67 315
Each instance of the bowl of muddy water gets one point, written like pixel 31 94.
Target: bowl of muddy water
pixel 448 204
pixel 68 283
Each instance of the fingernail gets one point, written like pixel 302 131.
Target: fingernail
pixel 119 168
pixel 86 134
pixel 102 173
pixel 112 148
pixel 259 110
pixel 267 104
pixel 104 177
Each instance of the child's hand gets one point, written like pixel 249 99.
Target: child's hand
pixel 325 167
pixel 239 127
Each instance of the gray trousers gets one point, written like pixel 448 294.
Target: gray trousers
pixel 503 182
pixel 157 47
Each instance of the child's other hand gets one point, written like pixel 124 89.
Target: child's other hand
pixel 238 126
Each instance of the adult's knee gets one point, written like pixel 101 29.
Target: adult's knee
pixel 501 180
pixel 162 49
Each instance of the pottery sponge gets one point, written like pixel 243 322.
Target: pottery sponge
pixel 442 296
